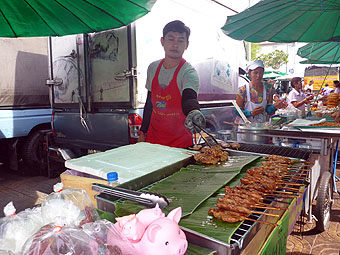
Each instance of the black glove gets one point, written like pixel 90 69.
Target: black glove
pixel 195 116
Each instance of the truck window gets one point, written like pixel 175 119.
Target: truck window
pixel 108 63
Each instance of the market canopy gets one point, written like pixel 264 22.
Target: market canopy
pixel 287 21
pixel 320 53
pixel 31 18
pixel 272 74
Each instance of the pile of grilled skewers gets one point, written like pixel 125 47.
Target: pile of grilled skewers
pixel 276 173
pixel 211 155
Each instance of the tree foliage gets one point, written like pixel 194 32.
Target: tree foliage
pixel 274 59
pixel 255 50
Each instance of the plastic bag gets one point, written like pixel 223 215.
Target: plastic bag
pixel 15 229
pixel 73 205
pixel 53 239
pixel 110 240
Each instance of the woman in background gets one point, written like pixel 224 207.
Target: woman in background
pixel 256 98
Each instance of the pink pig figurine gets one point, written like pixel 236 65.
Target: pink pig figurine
pixel 163 236
pixel 130 227
pixel 147 216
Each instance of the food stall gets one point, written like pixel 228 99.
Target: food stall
pixel 197 187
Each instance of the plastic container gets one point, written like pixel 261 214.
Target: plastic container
pixel 112 178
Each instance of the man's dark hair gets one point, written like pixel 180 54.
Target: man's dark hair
pixel 294 81
pixel 176 26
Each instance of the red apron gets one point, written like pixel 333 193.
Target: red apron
pixel 167 119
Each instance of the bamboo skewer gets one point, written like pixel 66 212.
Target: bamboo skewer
pixel 295 177
pixel 303 170
pixel 289 188
pixel 293 171
pixel 263 222
pixel 267 214
pixel 270 206
pixel 280 195
pixel 291 183
pixel 264 207
pixel 284 192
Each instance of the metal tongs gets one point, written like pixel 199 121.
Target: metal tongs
pixel 148 199
pixel 210 135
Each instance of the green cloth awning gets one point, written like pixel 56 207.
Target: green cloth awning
pixel 32 18
pixel 287 21
pixel 320 53
pixel 272 74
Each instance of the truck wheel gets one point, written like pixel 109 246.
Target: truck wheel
pixel 324 201
pixel 34 154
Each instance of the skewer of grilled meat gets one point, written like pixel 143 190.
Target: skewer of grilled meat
pixel 236 201
pixel 285 160
pixel 233 217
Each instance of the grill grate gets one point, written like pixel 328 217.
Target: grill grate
pixel 277 150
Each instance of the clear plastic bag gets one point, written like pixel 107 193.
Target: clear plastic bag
pixel 110 240
pixel 53 239
pixel 73 205
pixel 15 229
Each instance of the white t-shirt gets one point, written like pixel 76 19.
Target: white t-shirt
pixel 296 96
pixel 326 90
pixel 187 77
pixel 309 87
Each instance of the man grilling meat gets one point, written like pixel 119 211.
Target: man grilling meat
pixel 171 107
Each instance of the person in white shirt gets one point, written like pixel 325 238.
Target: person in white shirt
pixel 326 90
pixel 309 86
pixel 336 85
pixel 296 97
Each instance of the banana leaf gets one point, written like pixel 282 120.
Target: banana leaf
pixel 191 186
pixel 199 220
pixel 205 224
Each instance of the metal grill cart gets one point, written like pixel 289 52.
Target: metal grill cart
pixel 249 237
pixel 320 155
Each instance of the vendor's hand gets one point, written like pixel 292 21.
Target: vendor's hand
pixel 281 104
pixel 336 116
pixel 310 97
pixel 195 116
pixel 323 99
pixel 141 138
pixel 257 111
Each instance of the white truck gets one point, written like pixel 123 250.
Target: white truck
pixel 98 82
pixel 25 109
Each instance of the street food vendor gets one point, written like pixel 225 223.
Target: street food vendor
pixel 256 98
pixel 296 97
pixel 171 107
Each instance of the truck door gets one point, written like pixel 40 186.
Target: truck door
pixel 93 102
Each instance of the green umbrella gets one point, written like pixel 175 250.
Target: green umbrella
pixel 287 21
pixel 272 74
pixel 320 53
pixel 30 18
